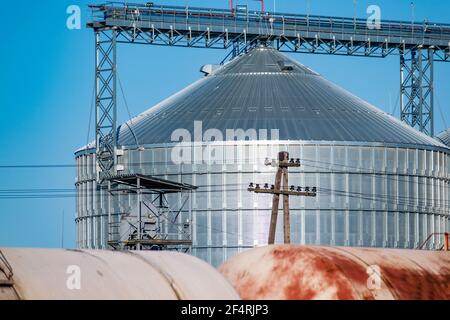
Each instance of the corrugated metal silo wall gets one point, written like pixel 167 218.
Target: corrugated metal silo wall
pixel 369 195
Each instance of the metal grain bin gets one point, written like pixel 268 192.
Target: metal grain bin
pixel 380 182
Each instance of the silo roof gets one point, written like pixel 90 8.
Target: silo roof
pixel 264 89
pixel 444 137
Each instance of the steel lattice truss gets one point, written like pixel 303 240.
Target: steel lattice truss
pixel 299 44
pixel 419 45
pixel 417 90
pixel 105 100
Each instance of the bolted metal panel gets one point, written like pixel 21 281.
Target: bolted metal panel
pixel 339 273
pixel 417 89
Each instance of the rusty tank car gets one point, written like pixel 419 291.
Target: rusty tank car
pixel 292 272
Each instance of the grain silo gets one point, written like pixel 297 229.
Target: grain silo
pixel 380 182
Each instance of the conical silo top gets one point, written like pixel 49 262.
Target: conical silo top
pixel 265 89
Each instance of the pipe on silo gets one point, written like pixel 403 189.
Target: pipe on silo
pixel 339 273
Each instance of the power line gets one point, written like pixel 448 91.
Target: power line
pixel 155 163
pixel 37 166
pixel 380 174
pixel 383 175
pixel 35 193
pixel 374 197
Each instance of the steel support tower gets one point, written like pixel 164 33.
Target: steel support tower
pixel 416 85
pixel 418 45
pixel 106 102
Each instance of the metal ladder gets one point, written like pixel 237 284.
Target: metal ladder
pixel 114 231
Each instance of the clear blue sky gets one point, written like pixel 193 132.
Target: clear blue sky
pixel 46 81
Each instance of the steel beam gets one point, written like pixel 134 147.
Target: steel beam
pixel 240 40
pixel 417 89
pixel 207 27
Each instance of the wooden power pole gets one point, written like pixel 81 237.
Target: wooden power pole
pixel 281 187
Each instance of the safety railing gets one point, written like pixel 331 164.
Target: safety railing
pixel 284 22
pixel 445 246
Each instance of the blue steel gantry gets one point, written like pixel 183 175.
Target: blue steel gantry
pixel 419 45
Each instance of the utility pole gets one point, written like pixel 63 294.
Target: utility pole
pixel 281 187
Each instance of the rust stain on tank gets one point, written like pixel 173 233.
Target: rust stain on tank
pixel 419 285
pixel 295 291
pixel 308 272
